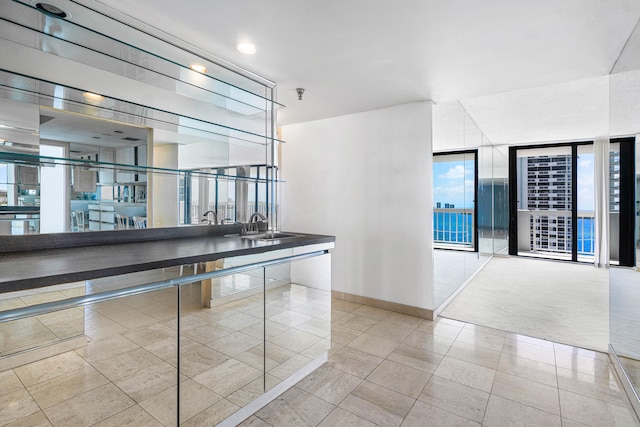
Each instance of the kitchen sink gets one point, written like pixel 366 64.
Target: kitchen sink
pixel 276 235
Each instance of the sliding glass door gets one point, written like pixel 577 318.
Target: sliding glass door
pixel 455 216
pixel 552 204
pixel 552 207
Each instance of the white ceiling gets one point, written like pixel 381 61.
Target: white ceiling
pixel 359 55
pixel 566 111
pixel 86 134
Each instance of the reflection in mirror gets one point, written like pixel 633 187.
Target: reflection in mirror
pixel 298 316
pixel 72 198
pixel 105 141
pixel 463 191
pixel 624 283
pixel 229 194
pixel 454 193
pixel 500 199
pixel 178 118
pixel 624 295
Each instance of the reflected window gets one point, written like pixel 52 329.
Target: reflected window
pixel 454 195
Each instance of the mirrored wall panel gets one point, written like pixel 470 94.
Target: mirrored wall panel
pixel 101 103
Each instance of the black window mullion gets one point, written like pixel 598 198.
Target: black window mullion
pixel 513 202
pixel 475 203
pixel 574 202
pixel 627 203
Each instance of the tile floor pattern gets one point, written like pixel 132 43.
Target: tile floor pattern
pixel 389 369
pixel 384 369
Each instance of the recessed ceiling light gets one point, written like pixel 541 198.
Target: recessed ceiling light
pixel 93 96
pixel 247 48
pixel 53 10
pixel 199 68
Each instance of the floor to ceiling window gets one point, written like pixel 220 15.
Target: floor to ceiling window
pixel 552 202
pixel 455 216
pixel 551 211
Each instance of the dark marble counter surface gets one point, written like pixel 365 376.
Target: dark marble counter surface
pixel 28 262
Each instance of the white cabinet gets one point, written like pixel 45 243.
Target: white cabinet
pixel 101 217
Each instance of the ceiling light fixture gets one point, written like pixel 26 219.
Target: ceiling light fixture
pixel 52 10
pixel 247 48
pixel 92 96
pixel 199 68
pixel 300 92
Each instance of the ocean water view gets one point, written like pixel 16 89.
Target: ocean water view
pixel 456 227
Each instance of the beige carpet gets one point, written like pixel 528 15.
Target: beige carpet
pixel 557 301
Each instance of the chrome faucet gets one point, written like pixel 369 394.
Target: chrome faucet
pixel 243 230
pixel 207 217
pixel 255 217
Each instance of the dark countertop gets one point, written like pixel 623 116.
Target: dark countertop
pixel 29 210
pixel 45 260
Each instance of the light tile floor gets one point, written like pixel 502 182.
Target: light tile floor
pixel 384 369
pixel 389 369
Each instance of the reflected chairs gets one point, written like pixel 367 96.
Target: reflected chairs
pixel 139 222
pixel 122 222
pixel 77 221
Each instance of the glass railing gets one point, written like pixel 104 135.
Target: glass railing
pixel 551 231
pixel 453 227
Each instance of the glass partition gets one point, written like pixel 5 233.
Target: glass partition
pixel 624 324
pixel 624 283
pixel 463 213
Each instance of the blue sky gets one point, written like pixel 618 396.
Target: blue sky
pixel 453 183
pixel 585 182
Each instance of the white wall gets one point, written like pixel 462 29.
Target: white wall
pixel 165 187
pixel 54 200
pixel 366 178
pixel 21 122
